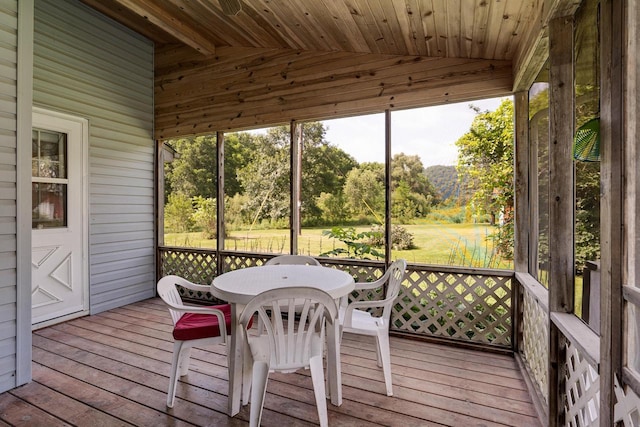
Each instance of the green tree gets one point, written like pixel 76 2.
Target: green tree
pixel 364 191
pixel 205 216
pixel 412 194
pixel 193 172
pixel 333 207
pixel 485 158
pixel 265 178
pixel 324 169
pixel 177 213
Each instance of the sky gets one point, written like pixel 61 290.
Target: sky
pixel 429 132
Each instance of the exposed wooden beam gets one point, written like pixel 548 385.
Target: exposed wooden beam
pixel 155 13
pixel 533 49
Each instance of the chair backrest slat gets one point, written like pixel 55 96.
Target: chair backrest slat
pixel 290 345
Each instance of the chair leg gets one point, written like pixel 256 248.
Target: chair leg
pixel 173 377
pixel 258 390
pixel 247 364
pixel 185 359
pixel 384 354
pixel 317 376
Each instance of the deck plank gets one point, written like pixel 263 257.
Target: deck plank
pixel 113 368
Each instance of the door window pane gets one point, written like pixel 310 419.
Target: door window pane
pixel 49 179
pixel 49 203
pixel 49 152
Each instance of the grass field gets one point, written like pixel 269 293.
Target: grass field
pixel 442 244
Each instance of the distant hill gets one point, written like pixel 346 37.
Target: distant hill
pixel 445 181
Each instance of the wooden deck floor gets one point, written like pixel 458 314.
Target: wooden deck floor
pixel 112 369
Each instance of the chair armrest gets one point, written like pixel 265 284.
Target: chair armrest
pixel 202 310
pixel 194 287
pixel 372 285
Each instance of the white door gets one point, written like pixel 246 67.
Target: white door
pixel 59 282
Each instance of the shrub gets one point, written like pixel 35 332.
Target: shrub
pixel 358 245
pixel 401 239
pixel 205 216
pixel 177 214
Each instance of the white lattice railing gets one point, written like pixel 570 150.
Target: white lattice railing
pixel 627 408
pixel 535 342
pixel 472 305
pixel 582 388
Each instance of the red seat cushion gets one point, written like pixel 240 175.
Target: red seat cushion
pixel 192 326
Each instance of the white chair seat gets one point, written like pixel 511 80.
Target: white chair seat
pixel 362 322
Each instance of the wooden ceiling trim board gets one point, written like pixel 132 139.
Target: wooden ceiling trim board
pixel 342 93
pixel 466 30
pixel 375 18
pixel 123 15
pixel 409 17
pixel 494 27
pixel 360 18
pixel 316 29
pixel 246 59
pixel 425 10
pixel 290 26
pixel 280 66
pixel 325 17
pixel 520 19
pixel 253 21
pixel 442 37
pixel 336 73
pixel 342 18
pixel 532 51
pixel 194 99
pixel 173 25
pixel 391 21
pixel 223 28
pixel 454 28
pixel 480 23
pixel 432 97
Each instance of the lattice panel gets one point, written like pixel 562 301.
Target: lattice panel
pixel 582 387
pixel 235 261
pixel 195 266
pixel 464 306
pixel 535 342
pixel 627 407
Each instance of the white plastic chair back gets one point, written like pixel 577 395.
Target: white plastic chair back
pixel 290 341
pixel 169 293
pixel 394 274
pixel 292 260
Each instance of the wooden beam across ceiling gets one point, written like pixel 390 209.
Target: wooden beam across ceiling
pixel 172 22
pixel 248 88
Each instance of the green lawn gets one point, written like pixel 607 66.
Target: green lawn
pixel 443 244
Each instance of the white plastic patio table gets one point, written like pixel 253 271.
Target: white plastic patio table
pixel 239 286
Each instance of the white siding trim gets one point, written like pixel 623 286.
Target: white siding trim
pixel 23 185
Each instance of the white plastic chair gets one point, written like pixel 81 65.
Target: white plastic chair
pixel 288 260
pixel 292 260
pixel 288 345
pixel 192 326
pixel 355 320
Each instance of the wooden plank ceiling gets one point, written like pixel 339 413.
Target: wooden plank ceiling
pixel 282 60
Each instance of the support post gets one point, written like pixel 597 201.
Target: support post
pixel 220 230
pixel 387 187
pixel 611 204
pixel 295 180
pixel 561 199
